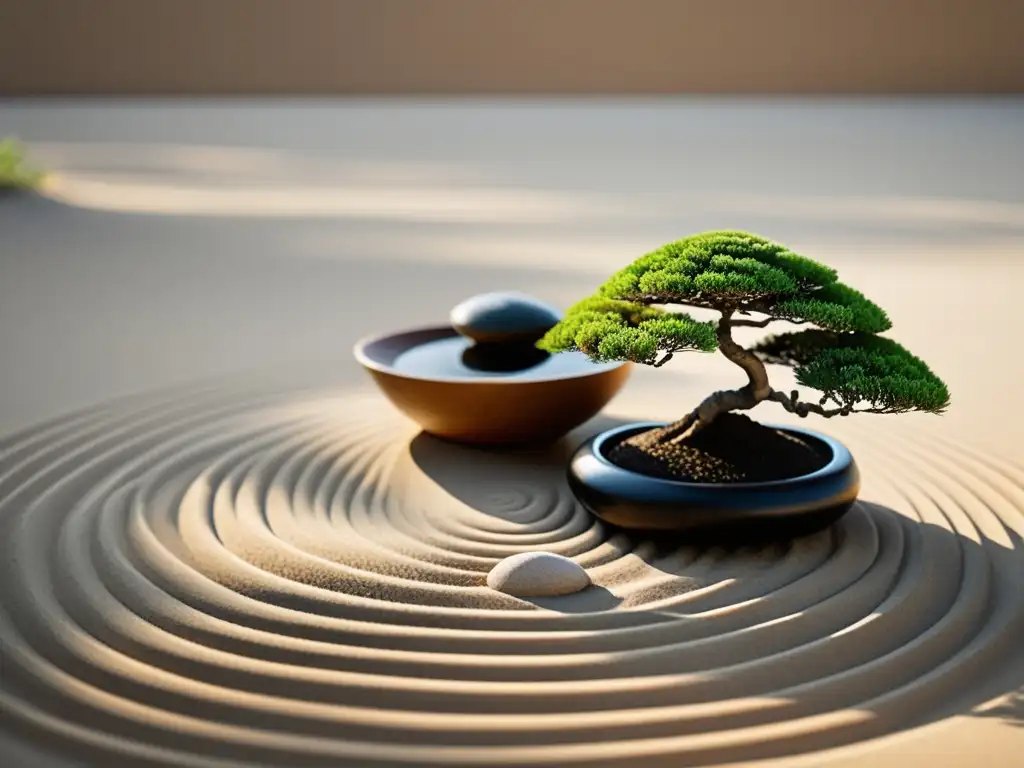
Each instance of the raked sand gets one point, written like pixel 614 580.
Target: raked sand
pixel 279 570
pixel 298 578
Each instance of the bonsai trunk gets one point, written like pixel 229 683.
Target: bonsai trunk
pixel 756 390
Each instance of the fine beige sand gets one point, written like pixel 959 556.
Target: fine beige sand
pixel 280 570
pixel 301 579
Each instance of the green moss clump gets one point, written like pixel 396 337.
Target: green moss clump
pixel 14 173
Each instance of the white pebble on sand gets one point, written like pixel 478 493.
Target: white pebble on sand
pixel 537 574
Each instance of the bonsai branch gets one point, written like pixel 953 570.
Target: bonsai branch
pixel 756 390
pixel 793 404
pixel 767 321
pixel 669 354
pixel 757 384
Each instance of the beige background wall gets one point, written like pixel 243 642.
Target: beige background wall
pixel 510 46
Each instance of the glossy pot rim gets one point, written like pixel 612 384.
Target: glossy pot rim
pixel 364 354
pixel 841 459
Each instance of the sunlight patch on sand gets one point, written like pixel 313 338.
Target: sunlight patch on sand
pixel 199 180
pixel 126 194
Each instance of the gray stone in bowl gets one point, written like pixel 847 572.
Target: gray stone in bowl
pixel 506 317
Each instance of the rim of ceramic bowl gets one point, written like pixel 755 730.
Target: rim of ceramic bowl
pixel 437 332
pixel 839 462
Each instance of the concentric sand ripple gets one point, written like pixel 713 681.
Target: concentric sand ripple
pixel 211 579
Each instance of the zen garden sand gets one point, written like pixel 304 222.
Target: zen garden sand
pixel 221 546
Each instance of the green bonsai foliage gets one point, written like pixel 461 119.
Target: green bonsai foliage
pixel 607 329
pixel 14 174
pixel 741 275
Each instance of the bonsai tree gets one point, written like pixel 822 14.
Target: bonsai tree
pixel 14 174
pixel 750 282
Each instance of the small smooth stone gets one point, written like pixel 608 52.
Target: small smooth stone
pixel 504 317
pixel 537 574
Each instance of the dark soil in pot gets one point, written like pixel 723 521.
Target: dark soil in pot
pixel 734 448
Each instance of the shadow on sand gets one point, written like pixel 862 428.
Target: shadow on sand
pixel 1011 711
pixel 478 476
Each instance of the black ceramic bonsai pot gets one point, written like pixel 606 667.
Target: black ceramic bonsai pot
pixel 777 508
